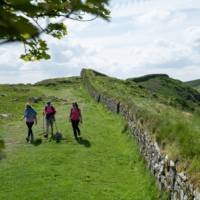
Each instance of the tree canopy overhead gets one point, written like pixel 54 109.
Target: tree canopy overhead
pixel 25 20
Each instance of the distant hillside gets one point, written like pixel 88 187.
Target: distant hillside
pixel 171 91
pixel 56 81
pixel 195 84
pixel 149 76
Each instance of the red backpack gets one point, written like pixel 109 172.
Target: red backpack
pixel 50 111
pixel 75 114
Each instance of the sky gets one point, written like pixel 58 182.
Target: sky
pixel 143 37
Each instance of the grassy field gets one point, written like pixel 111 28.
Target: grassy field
pixel 106 165
pixel 175 128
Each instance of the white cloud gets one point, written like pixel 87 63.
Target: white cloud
pixel 159 17
pixel 144 36
pixel 154 16
pixel 192 34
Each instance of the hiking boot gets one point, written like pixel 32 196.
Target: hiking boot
pixel 27 139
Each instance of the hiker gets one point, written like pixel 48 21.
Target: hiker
pixel 31 117
pixel 49 113
pixel 75 117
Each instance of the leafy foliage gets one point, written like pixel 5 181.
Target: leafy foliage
pixel 23 21
pixel 36 50
pixel 57 30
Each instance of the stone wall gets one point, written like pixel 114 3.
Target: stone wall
pixel 164 169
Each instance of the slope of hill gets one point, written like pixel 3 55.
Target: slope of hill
pixel 170 91
pixel 194 84
pixel 105 165
pixel 175 130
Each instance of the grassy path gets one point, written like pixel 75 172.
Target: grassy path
pixel 107 166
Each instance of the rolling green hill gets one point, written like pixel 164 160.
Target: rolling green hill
pixel 104 165
pixel 170 91
pixel 175 127
pixel 194 83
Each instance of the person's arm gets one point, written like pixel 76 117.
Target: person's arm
pixel 81 119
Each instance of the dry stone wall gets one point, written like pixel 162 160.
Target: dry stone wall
pixel 164 169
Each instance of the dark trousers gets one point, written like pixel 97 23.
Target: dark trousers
pixel 30 132
pixel 75 127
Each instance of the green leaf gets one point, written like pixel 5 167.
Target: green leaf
pixel 35 50
pixel 57 30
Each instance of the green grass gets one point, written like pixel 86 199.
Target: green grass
pixel 107 166
pixel 170 91
pixel 175 129
pixel 194 83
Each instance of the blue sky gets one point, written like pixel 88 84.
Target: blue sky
pixel 144 36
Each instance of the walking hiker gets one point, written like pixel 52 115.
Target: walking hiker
pixel 49 113
pixel 75 117
pixel 30 116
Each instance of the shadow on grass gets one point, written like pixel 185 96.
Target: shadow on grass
pixel 125 129
pixel 57 139
pixel 84 142
pixel 2 146
pixel 37 142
